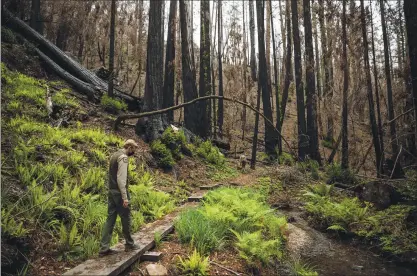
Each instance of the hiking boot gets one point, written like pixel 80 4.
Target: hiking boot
pixel 131 247
pixel 106 252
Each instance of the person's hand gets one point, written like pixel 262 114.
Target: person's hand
pixel 125 203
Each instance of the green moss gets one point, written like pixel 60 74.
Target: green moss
pixel 163 154
pixel 286 159
pixel 113 105
pixel 335 173
pixel 210 153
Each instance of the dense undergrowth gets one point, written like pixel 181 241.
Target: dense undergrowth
pixel 237 218
pixel 56 184
pixel 390 228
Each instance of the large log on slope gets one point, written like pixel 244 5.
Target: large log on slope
pixel 63 60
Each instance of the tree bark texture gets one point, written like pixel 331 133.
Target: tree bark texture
pixel 112 38
pixel 205 68
pixel 252 41
pixel 410 11
pixel 372 119
pixel 288 67
pixel 278 113
pixel 169 81
pixel 345 145
pixel 312 130
pixel 188 81
pixel 301 123
pixel 393 132
pixel 220 109
pixel 270 137
pixel 154 70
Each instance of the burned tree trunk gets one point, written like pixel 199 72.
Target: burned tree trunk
pixel 154 70
pixel 112 38
pixel 188 81
pixel 301 123
pixel 205 68
pixel 270 137
pixel 288 67
pixel 345 145
pixel 168 98
pixel 252 40
pixel 219 42
pixel 394 143
pixel 312 130
pixel 372 119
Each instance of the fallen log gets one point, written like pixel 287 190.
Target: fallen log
pixel 63 60
pixel 161 111
pixel 81 86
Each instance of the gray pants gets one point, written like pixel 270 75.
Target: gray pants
pixel 115 207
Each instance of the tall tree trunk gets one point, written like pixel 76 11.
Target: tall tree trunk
pixel 378 109
pixel 345 145
pixel 140 44
pixel 252 40
pixel 220 33
pixel 36 21
pixel 288 67
pixel 154 69
pixel 326 66
pixel 168 98
pixel 393 132
pixel 278 113
pixel 255 131
pixel 410 10
pixel 244 68
pixel 112 39
pixel 270 134
pixel 205 67
pixel 284 43
pixel 318 74
pixel 213 79
pixel 188 81
pixel 312 130
pixel 301 123
pixel 268 38
pixel 369 88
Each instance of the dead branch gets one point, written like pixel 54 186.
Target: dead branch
pixel 161 111
pixel 364 158
pixel 225 268
pixel 402 114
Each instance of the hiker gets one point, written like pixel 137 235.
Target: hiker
pixel 118 199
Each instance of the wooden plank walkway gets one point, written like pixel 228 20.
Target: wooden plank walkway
pixel 117 263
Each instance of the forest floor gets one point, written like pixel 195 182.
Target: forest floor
pixel 328 254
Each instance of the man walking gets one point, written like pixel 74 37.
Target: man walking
pixel 118 199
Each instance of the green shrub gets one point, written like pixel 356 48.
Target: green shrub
pixel 253 248
pixel 220 173
pixel 7 35
pixel 408 188
pixel 334 214
pixel 112 105
pixel 210 153
pixel 227 211
pixel 311 166
pixel 194 265
pixel 335 173
pixel 391 228
pixel 162 154
pixel 301 269
pixel 286 159
pixel 92 180
pixel 175 142
pixel 193 227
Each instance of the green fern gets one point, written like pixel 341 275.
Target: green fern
pixel 194 265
